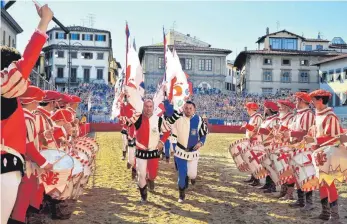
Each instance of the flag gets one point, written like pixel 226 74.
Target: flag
pixel 127 31
pixel 89 102
pixel 164 40
pixel 134 44
pixel 118 97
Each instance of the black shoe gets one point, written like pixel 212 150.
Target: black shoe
pixel 133 173
pixel 255 183
pixel 193 181
pixel 182 195
pixel 143 192
pixel 151 185
pixel 124 154
pixel 251 180
pixel 271 189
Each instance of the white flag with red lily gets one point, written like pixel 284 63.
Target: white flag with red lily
pixel 135 85
pixel 118 97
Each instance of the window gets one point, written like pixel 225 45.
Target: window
pixel 74 54
pixel 324 77
pixel 50 36
pixel 86 75
pixel 161 63
pixel 284 92
pixel 308 47
pixel 319 47
pixel 4 38
pixel 345 71
pixel 286 62
pixel 60 72
pixel 201 65
pixel 99 37
pixel 74 36
pixel 13 43
pixel 87 55
pixel 73 75
pixel 60 36
pixel 267 91
pixel 229 72
pixel 87 37
pixel 331 76
pixel 183 63
pixel 303 77
pixel 99 73
pixel 285 77
pixel 188 64
pixel 304 90
pixel 304 63
pixel 60 54
pixel 9 41
pixel 267 75
pixel 338 75
pixel 100 56
pixel 267 61
pixel 284 43
pixel 208 64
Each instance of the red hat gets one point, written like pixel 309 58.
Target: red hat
pixel 75 99
pixel 271 105
pixel 51 96
pixel 286 103
pixel 32 94
pixel 320 92
pixel 252 106
pixel 303 96
pixel 62 115
pixel 65 98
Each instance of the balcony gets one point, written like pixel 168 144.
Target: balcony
pixel 75 80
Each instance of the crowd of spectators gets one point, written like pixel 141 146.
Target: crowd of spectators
pixel 211 103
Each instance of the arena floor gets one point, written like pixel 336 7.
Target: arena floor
pixel 220 196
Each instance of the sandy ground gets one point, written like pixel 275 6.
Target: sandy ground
pixel 220 196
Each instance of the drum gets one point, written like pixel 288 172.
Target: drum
pixel 251 156
pixel 89 141
pixel 77 174
pixel 304 170
pixel 81 157
pixel 86 150
pixel 56 180
pixel 280 159
pixel 235 150
pixel 330 163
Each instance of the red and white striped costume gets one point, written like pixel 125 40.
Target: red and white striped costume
pixel 327 127
pixel 44 123
pixel 303 121
pixel 29 185
pixel 266 128
pixel 254 122
pixel 14 82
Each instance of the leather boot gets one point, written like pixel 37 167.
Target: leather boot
pixel 128 165
pixel 143 192
pixel 255 183
pixel 249 180
pixel 13 221
pixel 267 183
pixel 300 202
pixel 182 194
pixel 193 181
pixel 271 189
pixel 151 185
pixel 187 182
pixel 283 192
pixel 133 173
pixel 309 202
pixel 57 213
pixel 124 154
pixel 334 209
pixel 325 214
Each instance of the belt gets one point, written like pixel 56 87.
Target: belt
pixel 145 154
pixel 267 144
pixel 10 163
pixel 184 148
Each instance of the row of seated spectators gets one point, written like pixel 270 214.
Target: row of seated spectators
pixel 211 103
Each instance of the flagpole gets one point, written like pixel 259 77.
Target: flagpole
pixel 126 57
pixel 164 40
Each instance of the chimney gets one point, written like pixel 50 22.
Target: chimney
pixel 245 48
pixel 267 31
pixel 188 35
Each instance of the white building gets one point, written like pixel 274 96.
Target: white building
pixel 91 53
pixel 333 77
pixel 283 62
pixel 230 78
pixel 9 29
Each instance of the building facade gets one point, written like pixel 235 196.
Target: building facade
pixel 333 77
pixel 91 54
pixel 282 63
pixel 230 78
pixel 205 66
pixel 9 30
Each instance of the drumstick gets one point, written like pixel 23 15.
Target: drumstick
pixel 59 159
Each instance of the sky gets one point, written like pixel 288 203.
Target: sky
pixel 225 24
